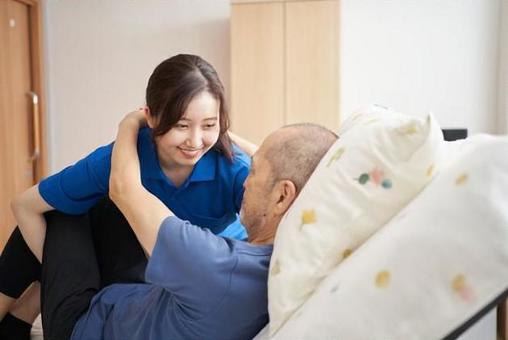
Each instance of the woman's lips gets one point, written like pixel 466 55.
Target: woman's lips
pixel 190 153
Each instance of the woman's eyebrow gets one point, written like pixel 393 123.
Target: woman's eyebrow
pixel 188 120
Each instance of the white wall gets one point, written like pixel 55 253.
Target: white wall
pixel 419 56
pixel 416 56
pixel 99 55
pixel 502 121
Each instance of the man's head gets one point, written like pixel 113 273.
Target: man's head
pixel 280 169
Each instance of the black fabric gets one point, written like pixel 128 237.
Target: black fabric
pixel 120 255
pixel 18 266
pixel 70 274
pixel 12 328
pixel 81 255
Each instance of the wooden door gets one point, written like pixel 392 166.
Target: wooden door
pixel 20 120
pixel 257 69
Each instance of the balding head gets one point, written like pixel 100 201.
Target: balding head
pixel 294 151
pixel 280 168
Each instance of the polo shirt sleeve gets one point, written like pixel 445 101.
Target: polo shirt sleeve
pixel 242 171
pixel 193 264
pixel 75 189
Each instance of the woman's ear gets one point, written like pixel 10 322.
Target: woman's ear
pixel 150 121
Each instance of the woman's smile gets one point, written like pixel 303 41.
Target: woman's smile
pixel 190 153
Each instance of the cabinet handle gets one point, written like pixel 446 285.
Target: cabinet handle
pixel 36 126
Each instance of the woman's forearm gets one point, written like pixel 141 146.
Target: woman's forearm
pixel 28 210
pixel 248 147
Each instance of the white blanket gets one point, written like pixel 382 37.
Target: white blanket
pixel 432 267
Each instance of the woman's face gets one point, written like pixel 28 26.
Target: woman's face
pixel 193 135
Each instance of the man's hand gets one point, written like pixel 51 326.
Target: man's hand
pixel 137 117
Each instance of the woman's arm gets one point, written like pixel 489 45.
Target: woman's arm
pixel 247 147
pixel 28 209
pixel 143 211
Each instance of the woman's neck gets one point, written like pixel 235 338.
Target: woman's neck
pixel 176 173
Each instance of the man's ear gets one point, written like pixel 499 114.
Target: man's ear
pixel 286 194
pixel 150 121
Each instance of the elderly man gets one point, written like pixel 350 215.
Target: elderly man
pixel 199 285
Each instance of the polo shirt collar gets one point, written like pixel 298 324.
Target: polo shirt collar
pixel 204 170
pixel 148 160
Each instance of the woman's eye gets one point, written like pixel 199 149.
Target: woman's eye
pixel 181 126
pixel 209 126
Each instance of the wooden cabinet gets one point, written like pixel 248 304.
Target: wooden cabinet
pixel 284 65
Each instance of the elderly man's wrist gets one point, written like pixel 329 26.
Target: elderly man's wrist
pixel 130 123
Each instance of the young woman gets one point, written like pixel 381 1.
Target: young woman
pixel 187 161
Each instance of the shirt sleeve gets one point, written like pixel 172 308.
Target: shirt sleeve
pixel 242 172
pixel 75 189
pixel 193 264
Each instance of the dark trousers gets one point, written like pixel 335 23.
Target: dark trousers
pixel 81 255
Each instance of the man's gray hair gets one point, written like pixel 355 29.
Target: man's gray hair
pixel 298 152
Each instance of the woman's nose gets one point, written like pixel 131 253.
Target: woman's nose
pixel 195 139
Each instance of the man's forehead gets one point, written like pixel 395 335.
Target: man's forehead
pixel 254 158
pixel 258 158
pixel 268 142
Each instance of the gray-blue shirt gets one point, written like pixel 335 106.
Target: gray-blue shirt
pixel 199 286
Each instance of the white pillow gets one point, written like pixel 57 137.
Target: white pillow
pixel 432 267
pixel 380 162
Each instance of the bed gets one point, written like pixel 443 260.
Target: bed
pixel 398 234
pixel 428 269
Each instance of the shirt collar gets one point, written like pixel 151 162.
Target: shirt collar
pixel 204 170
pixel 148 160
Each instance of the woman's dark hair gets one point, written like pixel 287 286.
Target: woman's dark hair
pixel 172 86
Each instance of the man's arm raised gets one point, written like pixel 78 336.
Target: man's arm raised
pixel 143 211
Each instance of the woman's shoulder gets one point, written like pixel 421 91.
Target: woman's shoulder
pixel 103 153
pixel 240 159
pixel 100 155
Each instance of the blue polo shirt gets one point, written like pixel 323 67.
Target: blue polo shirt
pixel 211 196
pixel 199 286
